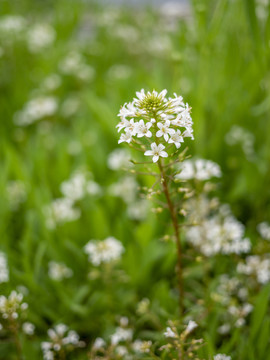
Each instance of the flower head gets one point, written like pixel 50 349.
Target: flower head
pixel 151 115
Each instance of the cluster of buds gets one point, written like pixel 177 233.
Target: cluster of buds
pixel 12 306
pixel 180 343
pixel 160 122
pixel 62 341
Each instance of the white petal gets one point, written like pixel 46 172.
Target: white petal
pixel 155 158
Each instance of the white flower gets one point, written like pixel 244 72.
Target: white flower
pixel 199 169
pixel 60 211
pixel 59 271
pixel 125 137
pixel 40 36
pixel 104 251
pixel 121 335
pixel 143 129
pixel 164 130
pixel 176 139
pixel 156 152
pixel 118 159
pixel 264 230
pixel 99 343
pixel 28 328
pixel 4 271
pixel 191 326
pixel 255 265
pixel 222 357
pixel 169 333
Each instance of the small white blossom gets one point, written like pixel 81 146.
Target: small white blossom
pixel 199 169
pixel 4 271
pixel 60 211
pixel 222 357
pixel 28 328
pixel 164 130
pixel 118 159
pixel 191 326
pixel 264 230
pixel 157 151
pixel 255 265
pixel 176 139
pixel 104 251
pixel 169 333
pixel 121 334
pixel 40 36
pixel 59 271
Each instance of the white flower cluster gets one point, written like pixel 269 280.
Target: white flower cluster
pixel 222 357
pixel 62 210
pixel 59 271
pixel 127 189
pixel 74 64
pixel 61 340
pixel 198 169
pixel 264 230
pixel 157 119
pixel 256 266
pixel 40 37
pixel 104 251
pixel 119 159
pixel 241 136
pixel 220 233
pixel 12 24
pixel 12 306
pixel 4 271
pixel 233 295
pixel 36 109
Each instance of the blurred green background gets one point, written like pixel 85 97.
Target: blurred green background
pixel 80 61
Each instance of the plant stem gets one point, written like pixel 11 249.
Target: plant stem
pixel 17 342
pixel 173 215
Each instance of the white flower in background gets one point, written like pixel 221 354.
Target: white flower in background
pixel 16 193
pixel 121 334
pixel 218 233
pixel 51 82
pixel 12 306
pixel 40 37
pixel 12 24
pixel 93 188
pixel 199 169
pixel 264 230
pixel 191 326
pixel 222 357
pixel 61 340
pixel 74 147
pixel 138 210
pixel 126 188
pixel 119 159
pixel 119 72
pixel 74 188
pixel 74 64
pixel 156 152
pixel 4 271
pixel 28 328
pixel 104 251
pixel 243 137
pixel 169 333
pixel 256 266
pixel 70 106
pixel 99 343
pixel 60 211
pixel 59 271
pixel 156 118
pixel 36 109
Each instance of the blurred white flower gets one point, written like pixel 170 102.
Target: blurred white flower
pixel 169 333
pixel 28 328
pixel 257 266
pixel 60 211
pixel 59 271
pixel 119 159
pixel 264 230
pixel 121 334
pixel 4 271
pixel 104 251
pixel 126 188
pixel 199 169
pixel 36 109
pixel 191 326
pixel 222 357
pixel 12 24
pixel 40 37
pixel 12 306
